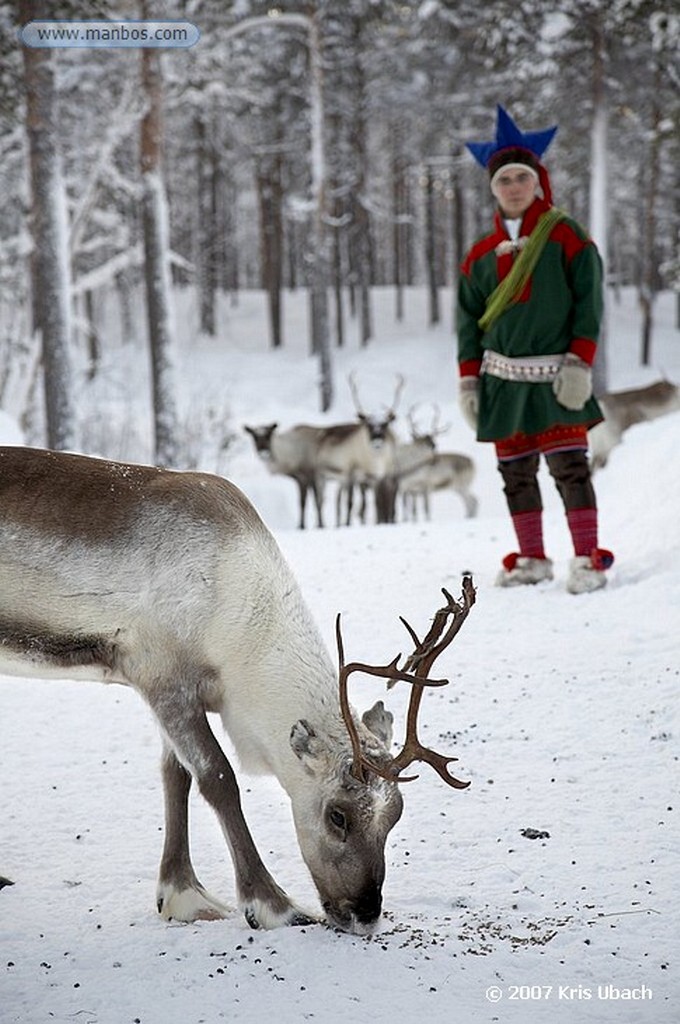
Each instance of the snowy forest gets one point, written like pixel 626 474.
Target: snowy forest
pixel 306 146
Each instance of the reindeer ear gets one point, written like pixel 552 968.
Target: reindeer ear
pixel 379 721
pixel 306 744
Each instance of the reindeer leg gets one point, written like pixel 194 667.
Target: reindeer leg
pixel 350 500
pixel 471 504
pixel 338 504
pixel 363 488
pixel 186 728
pixel 179 895
pixel 319 487
pixel 302 487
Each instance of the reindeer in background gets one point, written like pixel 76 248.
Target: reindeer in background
pixel 623 409
pixel 171 584
pixel 377 464
pixel 352 454
pixel 443 471
pixel 421 469
pixel 292 453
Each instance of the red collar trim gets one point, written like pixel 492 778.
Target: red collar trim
pixel 538 207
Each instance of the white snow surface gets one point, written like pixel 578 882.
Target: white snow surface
pixel 562 710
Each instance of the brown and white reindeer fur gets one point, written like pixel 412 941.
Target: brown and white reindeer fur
pixel 624 409
pixel 293 453
pixel 442 471
pixel 171 584
pixel 364 460
pixel 421 470
pixel 375 469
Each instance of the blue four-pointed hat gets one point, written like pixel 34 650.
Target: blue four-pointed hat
pixel 509 135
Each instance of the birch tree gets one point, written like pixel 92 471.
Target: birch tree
pixel 49 230
pixel 156 259
pixel 664 116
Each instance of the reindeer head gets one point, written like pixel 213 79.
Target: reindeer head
pixel 378 426
pixel 427 436
pixel 262 439
pixel 353 799
pixel 342 822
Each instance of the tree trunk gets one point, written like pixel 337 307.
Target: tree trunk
pixel 649 283
pixel 338 278
pixel 598 212
pixel 124 291
pixel 364 265
pixel 457 240
pixel 361 257
pixel 227 261
pixel 320 330
pixel 292 254
pixel 205 246
pixel 94 349
pixel 156 253
pixel 398 217
pixel 431 248
pixel 271 242
pixel 49 229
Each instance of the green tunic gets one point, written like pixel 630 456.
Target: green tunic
pixel 559 311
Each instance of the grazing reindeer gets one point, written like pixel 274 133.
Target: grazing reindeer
pixel 420 449
pixel 422 470
pixel 293 453
pixel 623 409
pixel 171 584
pixel 444 470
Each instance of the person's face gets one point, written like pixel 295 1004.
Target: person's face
pixel 515 190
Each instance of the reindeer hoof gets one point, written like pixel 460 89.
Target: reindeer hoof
pixel 259 914
pixel 193 904
pixel 301 919
pixel 252 919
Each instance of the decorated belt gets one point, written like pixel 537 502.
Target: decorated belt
pixel 528 369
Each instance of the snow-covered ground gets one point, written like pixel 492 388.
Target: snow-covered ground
pixel 562 710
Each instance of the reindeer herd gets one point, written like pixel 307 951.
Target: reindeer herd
pixel 366 458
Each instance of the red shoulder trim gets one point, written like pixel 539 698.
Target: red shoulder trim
pixel 480 249
pixel 569 240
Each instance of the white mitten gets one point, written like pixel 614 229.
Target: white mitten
pixel 468 400
pixel 573 384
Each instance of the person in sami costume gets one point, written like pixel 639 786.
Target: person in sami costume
pixel 529 312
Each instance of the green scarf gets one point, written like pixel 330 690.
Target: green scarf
pixel 512 286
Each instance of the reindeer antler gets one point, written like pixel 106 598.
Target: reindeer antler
pixel 391 409
pixel 398 388
pixel 352 381
pixel 435 429
pixel 423 433
pixel 416 672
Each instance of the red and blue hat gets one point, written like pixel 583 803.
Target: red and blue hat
pixel 513 146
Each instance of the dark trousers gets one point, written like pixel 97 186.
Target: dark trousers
pixel 569 470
